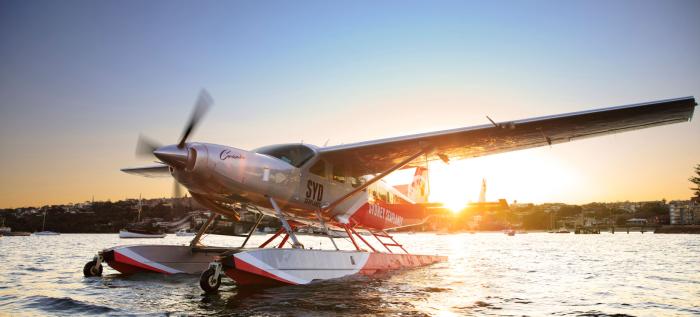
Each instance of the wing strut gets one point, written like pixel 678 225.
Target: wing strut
pixel 374 180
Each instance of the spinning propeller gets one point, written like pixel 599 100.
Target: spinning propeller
pixel 177 155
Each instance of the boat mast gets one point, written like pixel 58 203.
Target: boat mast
pixel 140 205
pixel 43 224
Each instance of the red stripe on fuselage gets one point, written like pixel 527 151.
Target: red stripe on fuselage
pixel 381 216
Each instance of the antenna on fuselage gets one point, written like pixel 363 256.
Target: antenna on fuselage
pixel 492 122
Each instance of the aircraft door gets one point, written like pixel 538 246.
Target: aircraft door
pixel 339 181
pixel 314 187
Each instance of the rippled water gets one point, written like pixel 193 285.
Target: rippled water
pixel 487 274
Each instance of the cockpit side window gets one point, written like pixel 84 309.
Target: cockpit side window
pixel 294 154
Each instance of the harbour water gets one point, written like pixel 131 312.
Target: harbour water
pixel 531 274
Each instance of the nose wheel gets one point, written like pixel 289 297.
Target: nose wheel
pixel 210 280
pixel 94 267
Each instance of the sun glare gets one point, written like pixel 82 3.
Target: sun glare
pixel 532 176
pixel 526 176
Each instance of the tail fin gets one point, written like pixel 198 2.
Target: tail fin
pixel 419 189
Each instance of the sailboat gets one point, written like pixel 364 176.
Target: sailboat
pixel 43 231
pixel 140 230
pixel 3 229
pixel 7 231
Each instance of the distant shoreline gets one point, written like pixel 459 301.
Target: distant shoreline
pixel 692 229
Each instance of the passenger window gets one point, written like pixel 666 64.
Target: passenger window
pixel 339 173
pixel 319 168
pixel 354 181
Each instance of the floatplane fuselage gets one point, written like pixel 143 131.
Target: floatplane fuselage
pixel 295 178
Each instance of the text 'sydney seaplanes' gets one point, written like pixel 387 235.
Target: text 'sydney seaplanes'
pixel 336 188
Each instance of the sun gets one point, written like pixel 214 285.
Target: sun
pixel 526 176
pixel 455 205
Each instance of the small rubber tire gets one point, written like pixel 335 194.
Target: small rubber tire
pixel 208 283
pixel 89 269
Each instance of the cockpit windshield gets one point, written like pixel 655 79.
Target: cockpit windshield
pixel 294 154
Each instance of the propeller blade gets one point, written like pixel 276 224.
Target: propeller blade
pixel 177 191
pixel 145 146
pixel 204 101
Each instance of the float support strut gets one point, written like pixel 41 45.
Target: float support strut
pixel 351 238
pixel 203 229
pixel 284 240
pixel 393 243
pixel 285 225
pixel 272 238
pixel 363 239
pixel 252 230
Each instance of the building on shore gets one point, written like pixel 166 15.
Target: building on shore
pixel 694 209
pixel 684 212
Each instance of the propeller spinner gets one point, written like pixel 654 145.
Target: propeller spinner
pixel 176 155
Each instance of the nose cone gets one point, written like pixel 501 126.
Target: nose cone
pixel 172 155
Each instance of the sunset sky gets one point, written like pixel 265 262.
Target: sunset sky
pixel 79 80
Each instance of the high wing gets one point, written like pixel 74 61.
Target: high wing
pixel 159 170
pixel 376 156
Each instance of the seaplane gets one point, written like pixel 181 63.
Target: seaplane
pixel 336 188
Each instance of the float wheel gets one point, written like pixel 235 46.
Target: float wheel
pixel 89 270
pixel 209 282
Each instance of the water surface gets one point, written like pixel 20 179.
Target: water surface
pixel 487 274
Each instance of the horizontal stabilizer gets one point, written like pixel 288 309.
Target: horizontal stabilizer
pixel 159 170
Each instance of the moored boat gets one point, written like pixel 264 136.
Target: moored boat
pixel 563 230
pixel 3 229
pixel 46 233
pixel 141 230
pixel 133 233
pixel 43 231
pixel 185 233
pixel 17 234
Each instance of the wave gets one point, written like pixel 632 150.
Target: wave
pixel 65 304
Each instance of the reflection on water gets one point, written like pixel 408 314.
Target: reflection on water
pixel 487 274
